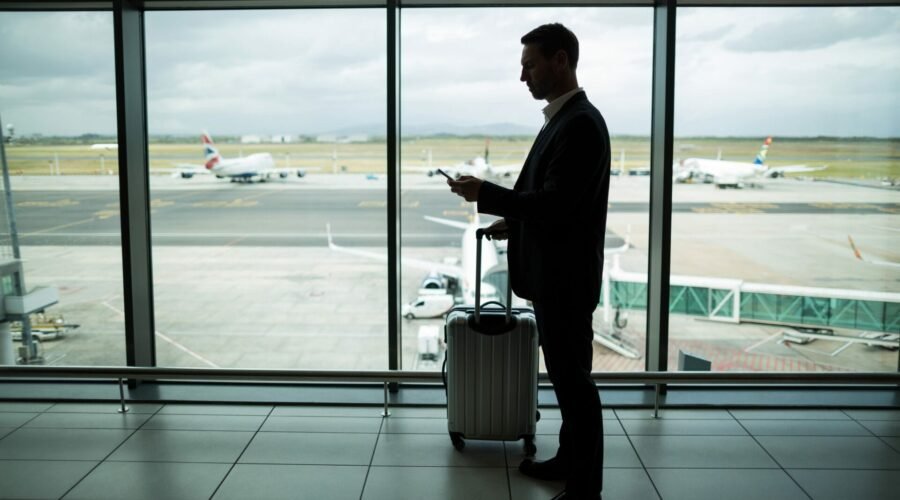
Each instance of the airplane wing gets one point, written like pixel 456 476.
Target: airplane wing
pixel 791 169
pixel 189 169
pixel 427 265
pixel 447 222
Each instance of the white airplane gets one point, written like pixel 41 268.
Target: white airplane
pixel 725 174
pixel 495 274
pixel 480 167
pixel 258 166
pixel 494 270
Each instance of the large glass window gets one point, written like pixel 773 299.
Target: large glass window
pixel 463 109
pixel 267 141
pixel 58 106
pixel 785 206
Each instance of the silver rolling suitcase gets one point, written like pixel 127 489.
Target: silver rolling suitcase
pixel 491 370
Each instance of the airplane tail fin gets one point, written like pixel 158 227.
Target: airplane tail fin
pixel 210 152
pixel 761 156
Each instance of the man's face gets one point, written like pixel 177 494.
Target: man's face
pixel 537 72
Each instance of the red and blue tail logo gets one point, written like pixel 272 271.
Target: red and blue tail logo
pixel 210 152
pixel 761 156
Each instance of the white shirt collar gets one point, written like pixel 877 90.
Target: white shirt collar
pixel 554 106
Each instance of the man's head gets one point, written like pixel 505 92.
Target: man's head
pixel 549 59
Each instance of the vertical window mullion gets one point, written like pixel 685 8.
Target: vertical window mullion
pixel 131 101
pixel 661 141
pixel 393 185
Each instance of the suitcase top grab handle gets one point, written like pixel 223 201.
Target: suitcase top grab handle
pixel 479 235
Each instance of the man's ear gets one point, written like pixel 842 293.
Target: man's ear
pixel 561 58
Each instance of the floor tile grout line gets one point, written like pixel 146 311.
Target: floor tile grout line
pixel 241 454
pixel 372 458
pixel 788 474
pixel 638 455
pixel 21 426
pixel 880 438
pixel 101 462
pixel 508 479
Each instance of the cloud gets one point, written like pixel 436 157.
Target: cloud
pixel 704 36
pixel 807 71
pixel 816 28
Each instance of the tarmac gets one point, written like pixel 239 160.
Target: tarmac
pixel 243 276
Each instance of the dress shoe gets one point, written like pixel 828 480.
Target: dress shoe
pixel 550 470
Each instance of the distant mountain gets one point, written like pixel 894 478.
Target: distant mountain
pixel 498 129
pixel 488 129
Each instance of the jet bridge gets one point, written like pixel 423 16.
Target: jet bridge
pixel 738 301
pixel 15 305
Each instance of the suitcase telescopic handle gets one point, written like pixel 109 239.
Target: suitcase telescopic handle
pixel 479 235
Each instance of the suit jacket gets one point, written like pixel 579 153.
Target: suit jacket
pixel 556 212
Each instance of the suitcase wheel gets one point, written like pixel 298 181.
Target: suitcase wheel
pixel 530 448
pixel 457 440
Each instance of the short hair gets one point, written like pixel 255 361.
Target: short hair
pixel 552 38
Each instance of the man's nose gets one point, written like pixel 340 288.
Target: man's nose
pixel 523 77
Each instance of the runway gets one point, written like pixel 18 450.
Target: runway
pixel 260 215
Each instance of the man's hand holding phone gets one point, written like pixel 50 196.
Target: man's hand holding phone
pixel 466 186
pixel 445 174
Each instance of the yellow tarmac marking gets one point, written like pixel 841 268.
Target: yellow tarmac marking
pixel 48 204
pixel 457 213
pixel 106 214
pixel 247 201
pixel 383 204
pixel 734 208
pixel 159 203
pixel 61 226
pixel 836 206
pixel 238 203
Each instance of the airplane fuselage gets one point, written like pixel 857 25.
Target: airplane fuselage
pixel 248 166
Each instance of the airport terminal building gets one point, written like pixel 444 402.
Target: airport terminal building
pixel 231 267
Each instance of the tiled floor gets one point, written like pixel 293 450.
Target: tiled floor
pixel 89 451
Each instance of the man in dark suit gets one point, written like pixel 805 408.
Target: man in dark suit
pixel 555 220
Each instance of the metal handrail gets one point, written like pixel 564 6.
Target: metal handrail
pixel 388 376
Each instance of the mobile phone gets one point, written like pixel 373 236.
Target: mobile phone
pixel 445 174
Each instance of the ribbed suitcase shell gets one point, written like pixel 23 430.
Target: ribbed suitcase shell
pixel 492 379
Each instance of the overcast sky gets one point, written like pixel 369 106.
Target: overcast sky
pixel 749 72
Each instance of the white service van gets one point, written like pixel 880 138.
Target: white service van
pixel 428 306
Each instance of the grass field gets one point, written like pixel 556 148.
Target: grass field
pixel 845 158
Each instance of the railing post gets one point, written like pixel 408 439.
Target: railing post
pixel 122 407
pixel 386 412
pixel 656 402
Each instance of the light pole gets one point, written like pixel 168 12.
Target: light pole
pixel 28 353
